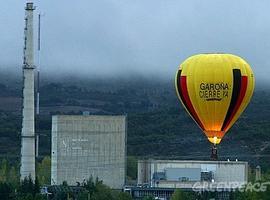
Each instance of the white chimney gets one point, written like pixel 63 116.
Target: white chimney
pixel 28 116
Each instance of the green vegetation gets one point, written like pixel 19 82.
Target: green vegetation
pixel 44 171
pixel 246 194
pixel 29 190
pixel 155 120
pixel 180 195
pixel 11 188
pixel 149 198
pixel 24 190
pixel 158 126
pixel 9 174
pixel 131 168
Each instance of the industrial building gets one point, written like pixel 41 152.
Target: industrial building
pixel 89 145
pixel 191 174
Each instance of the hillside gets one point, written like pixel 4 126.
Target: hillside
pixel 158 126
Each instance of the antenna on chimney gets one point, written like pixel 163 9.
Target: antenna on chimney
pixel 38 84
pixel 38 67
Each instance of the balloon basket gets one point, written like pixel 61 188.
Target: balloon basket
pixel 214 153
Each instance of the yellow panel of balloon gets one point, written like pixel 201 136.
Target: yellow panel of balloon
pixel 214 89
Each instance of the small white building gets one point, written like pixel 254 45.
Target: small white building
pixel 89 145
pixel 191 174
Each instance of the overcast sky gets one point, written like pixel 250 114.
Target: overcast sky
pixel 137 36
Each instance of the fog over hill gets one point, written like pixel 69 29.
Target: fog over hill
pixel 9 76
pixel 149 38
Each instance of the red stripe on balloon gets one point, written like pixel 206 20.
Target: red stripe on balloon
pixel 244 81
pixel 183 86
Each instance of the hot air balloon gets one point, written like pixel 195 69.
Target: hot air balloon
pixel 214 89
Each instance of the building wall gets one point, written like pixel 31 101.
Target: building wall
pixel 231 171
pixel 144 172
pixel 223 171
pixel 91 145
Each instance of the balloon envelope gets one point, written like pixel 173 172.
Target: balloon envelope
pixel 215 89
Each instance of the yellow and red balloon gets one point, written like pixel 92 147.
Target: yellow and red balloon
pixel 214 89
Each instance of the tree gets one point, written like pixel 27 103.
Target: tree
pixel 124 196
pixel 44 171
pixel 6 191
pixel 149 198
pixel 29 190
pixel 63 192
pixel 103 192
pixel 13 176
pixel 99 191
pixel 26 186
pixel 132 167
pixel 36 188
pixel 180 195
pixel 90 185
pixel 4 170
pixel 40 197
pixel 84 195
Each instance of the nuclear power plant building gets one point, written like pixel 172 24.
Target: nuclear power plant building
pixel 89 145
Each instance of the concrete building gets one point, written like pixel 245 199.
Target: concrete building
pixel 89 145
pixel 190 174
pixel 28 116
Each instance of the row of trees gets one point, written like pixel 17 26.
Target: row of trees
pixel 11 188
pixel 181 195
pixel 29 190
pixel 9 172
pixel 93 190
pixel 24 190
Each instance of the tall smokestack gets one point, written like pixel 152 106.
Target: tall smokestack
pixel 28 115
